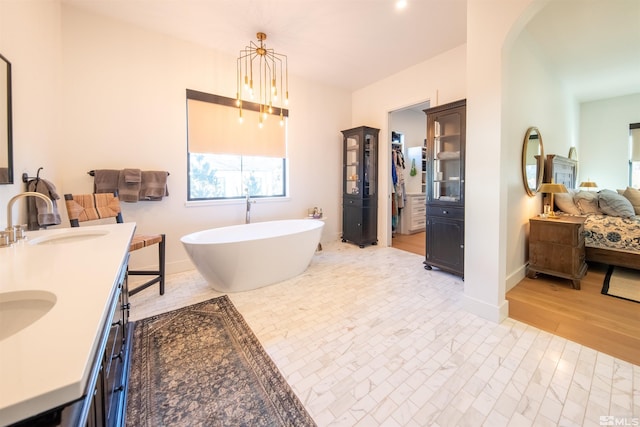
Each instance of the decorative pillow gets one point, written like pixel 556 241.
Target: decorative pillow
pixel 633 196
pixel 587 202
pixel 564 202
pixel 612 203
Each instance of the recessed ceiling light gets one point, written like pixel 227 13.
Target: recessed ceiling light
pixel 401 4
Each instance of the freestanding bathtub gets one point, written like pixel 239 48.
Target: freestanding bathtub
pixel 243 257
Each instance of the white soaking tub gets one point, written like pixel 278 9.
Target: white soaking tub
pixel 243 257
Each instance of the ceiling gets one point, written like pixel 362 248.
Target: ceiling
pixel 594 45
pixel 353 43
pixel 345 43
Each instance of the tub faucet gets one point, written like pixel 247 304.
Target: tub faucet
pixel 9 229
pixel 247 217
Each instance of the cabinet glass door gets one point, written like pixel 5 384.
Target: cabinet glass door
pixel 447 169
pixel 351 159
pixel 369 172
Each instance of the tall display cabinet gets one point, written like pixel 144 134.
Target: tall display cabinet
pixel 446 130
pixel 360 186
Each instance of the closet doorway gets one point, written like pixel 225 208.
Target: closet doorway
pixel 407 135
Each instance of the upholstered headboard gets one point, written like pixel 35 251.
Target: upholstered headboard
pixel 561 170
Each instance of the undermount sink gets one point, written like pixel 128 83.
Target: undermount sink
pixel 20 309
pixel 68 236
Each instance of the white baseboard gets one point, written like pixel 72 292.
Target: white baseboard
pixel 487 311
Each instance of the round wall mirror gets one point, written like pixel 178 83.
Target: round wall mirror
pixel 532 161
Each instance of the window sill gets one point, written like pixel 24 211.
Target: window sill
pixel 259 200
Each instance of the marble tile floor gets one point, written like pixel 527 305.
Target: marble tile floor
pixel 367 337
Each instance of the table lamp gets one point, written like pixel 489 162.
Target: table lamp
pixel 588 185
pixel 551 188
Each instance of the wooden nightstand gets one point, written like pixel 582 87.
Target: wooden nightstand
pixel 556 247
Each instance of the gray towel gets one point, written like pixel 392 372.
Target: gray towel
pixel 128 192
pixel 132 176
pixel 153 185
pixel 105 180
pixel 37 215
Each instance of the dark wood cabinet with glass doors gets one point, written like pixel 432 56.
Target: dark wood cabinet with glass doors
pixel 446 129
pixel 360 186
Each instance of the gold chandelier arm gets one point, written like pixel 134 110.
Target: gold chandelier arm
pixel 271 68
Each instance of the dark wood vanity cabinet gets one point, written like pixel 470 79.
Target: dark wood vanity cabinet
pixel 446 138
pixel 104 401
pixel 360 186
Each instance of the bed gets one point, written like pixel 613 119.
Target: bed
pixel 612 225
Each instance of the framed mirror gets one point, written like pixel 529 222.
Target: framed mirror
pixel 6 131
pixel 532 161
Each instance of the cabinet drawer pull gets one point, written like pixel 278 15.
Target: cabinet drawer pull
pixel 117 356
pixel 445 212
pixel 118 323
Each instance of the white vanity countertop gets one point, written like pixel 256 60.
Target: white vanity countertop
pixel 47 364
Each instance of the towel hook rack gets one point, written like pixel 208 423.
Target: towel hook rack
pixel 26 178
pixel 93 173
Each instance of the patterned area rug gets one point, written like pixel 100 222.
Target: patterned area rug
pixel 202 366
pixel 622 283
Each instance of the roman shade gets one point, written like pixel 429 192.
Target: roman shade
pixel 215 128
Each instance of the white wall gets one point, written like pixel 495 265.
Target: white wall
pixel 490 26
pixel 536 97
pixel 439 80
pixel 30 40
pixel 95 93
pixel 604 134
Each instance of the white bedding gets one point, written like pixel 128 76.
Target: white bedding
pixel 611 232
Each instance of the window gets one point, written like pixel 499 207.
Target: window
pixel 634 159
pixel 227 158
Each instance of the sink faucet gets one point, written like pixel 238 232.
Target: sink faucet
pixel 9 228
pixel 247 218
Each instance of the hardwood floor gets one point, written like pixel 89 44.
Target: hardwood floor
pixel 414 243
pixel 607 324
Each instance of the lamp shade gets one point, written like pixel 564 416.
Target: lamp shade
pixel 550 187
pixel 588 184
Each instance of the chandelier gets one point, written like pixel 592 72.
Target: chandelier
pixel 257 64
